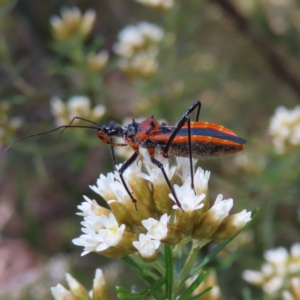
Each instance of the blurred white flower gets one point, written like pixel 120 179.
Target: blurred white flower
pixel 132 39
pixel 97 62
pixel 285 129
pixel 138 49
pixel 8 126
pixel 280 267
pixel 77 106
pixel 72 22
pixel 158 4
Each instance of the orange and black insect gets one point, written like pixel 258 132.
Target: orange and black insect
pixel 185 138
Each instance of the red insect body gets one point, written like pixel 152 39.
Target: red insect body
pixel 186 138
pixel 208 140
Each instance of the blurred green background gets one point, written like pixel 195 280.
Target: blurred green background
pixel 240 58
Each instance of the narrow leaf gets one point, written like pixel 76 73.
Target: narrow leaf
pixel 153 290
pixel 169 271
pixel 217 249
pixel 193 286
pixel 136 268
pixel 196 297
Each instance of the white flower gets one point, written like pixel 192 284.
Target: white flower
pixel 87 22
pixel 284 127
pixel 295 251
pixel 221 207
pixel 143 64
pixel 133 38
pixel 163 4
pixel 157 229
pixel 146 246
pixel 241 219
pixel 111 234
pixel 155 174
pixel 273 285
pixel 183 168
pixel 278 270
pixel 108 233
pixel 72 21
pixel 96 62
pixel 59 292
pixel 79 106
pixel 187 198
pixel 254 277
pixel 88 208
pixel 104 186
pixel 129 39
pixel 99 279
pixel 150 31
pixel 58 107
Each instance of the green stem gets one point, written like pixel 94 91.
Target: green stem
pixel 159 268
pixel 169 271
pixel 178 247
pixel 197 245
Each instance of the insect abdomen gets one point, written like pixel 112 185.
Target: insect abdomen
pixel 205 149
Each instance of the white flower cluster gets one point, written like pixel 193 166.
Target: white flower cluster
pixel 137 47
pixel 275 275
pixel 285 128
pixel 158 4
pixel 79 106
pixel 8 126
pixel 72 22
pixel 122 230
pixel 78 291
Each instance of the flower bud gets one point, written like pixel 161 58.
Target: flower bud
pixel 77 288
pixel 162 231
pixel 100 288
pixel 97 62
pixel 231 225
pixel 212 219
pixel 147 248
pixel 59 292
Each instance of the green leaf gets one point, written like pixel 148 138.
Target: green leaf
pixel 247 294
pixel 153 289
pixel 136 268
pixel 169 271
pixel 131 296
pixel 193 286
pixel 196 269
pixel 124 294
pixel 122 290
pixel 196 297
pixel 178 263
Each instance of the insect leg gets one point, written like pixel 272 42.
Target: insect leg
pixel 112 151
pixel 180 123
pixel 195 105
pixel 160 165
pixel 126 164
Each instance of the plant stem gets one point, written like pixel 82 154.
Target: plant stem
pixel 178 247
pixel 159 268
pixel 197 245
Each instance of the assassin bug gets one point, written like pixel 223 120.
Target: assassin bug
pixel 185 138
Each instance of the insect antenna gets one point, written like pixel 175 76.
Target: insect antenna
pixel 78 118
pixel 50 131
